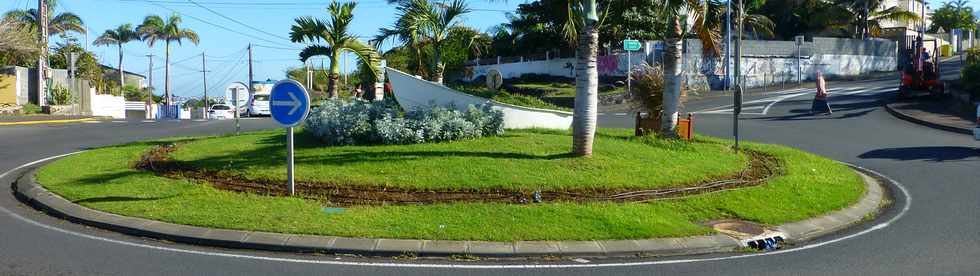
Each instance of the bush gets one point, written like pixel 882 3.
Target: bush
pixel 133 93
pixel 342 122
pixel 648 88
pixel 970 75
pixel 30 109
pixel 60 95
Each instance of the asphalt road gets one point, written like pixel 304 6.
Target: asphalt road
pixel 939 235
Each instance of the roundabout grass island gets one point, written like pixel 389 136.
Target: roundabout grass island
pixel 510 181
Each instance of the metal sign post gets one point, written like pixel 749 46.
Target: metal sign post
pixel 290 104
pixel 630 45
pixel 234 100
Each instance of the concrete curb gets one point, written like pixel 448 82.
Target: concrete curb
pixel 901 115
pixel 27 190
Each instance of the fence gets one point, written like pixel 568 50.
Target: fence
pixel 764 62
pixel 168 112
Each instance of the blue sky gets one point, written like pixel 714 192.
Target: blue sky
pixel 224 48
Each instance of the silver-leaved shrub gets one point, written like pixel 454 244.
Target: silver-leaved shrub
pixel 350 122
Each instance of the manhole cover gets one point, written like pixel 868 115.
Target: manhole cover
pixel 737 228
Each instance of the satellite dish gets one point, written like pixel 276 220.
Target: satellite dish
pixel 494 79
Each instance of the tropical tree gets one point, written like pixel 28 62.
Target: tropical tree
pixel 753 22
pixel 407 31
pixel 57 24
pixel 15 43
pixel 155 28
pixel 436 23
pixel 953 15
pixel 119 36
pixel 334 34
pixel 697 11
pixel 865 16
pixel 582 14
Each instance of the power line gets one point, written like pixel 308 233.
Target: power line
pixel 212 24
pixel 247 3
pixel 238 22
pixel 278 48
pixel 233 69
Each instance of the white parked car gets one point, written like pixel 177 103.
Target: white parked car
pixel 221 111
pixel 258 105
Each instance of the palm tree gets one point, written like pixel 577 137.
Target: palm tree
pixel 865 16
pixel 154 28
pixel 57 24
pixel 438 24
pixel 697 11
pixel 119 36
pixel 407 31
pixel 338 41
pixel 15 40
pixel 421 22
pixel 755 23
pixel 583 16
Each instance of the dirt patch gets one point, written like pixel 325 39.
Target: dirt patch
pixel 761 168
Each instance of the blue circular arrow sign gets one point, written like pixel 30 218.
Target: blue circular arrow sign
pixel 289 103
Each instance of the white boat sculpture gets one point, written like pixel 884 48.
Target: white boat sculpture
pixel 414 93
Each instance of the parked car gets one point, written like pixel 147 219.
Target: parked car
pixel 258 105
pixel 221 111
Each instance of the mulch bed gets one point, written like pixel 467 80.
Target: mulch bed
pixel 761 168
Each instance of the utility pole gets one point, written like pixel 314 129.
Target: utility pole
pixel 728 45
pixel 204 75
pixel 149 90
pixel 251 89
pixel 42 61
pixel 309 76
pixel 738 76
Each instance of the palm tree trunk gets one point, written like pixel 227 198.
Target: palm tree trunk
pixel 439 66
pixel 166 74
pixel 672 80
pixel 122 81
pixel 418 60
pixel 334 77
pixel 586 92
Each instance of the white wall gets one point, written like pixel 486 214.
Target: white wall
pixel 108 105
pixel 612 65
pixel 413 93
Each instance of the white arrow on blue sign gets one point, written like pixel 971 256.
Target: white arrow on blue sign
pixel 289 103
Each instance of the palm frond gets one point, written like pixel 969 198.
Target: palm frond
pixel 315 50
pixel 307 29
pixel 365 53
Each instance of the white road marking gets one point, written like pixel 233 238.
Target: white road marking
pixel 905 208
pixel 772 101
pixel 91 122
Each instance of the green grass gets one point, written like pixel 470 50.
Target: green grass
pixel 103 179
pixel 518 159
pixel 564 89
pixel 509 98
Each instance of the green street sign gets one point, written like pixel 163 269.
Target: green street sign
pixel 631 45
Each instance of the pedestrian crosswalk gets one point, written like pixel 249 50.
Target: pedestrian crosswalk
pixel 762 106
